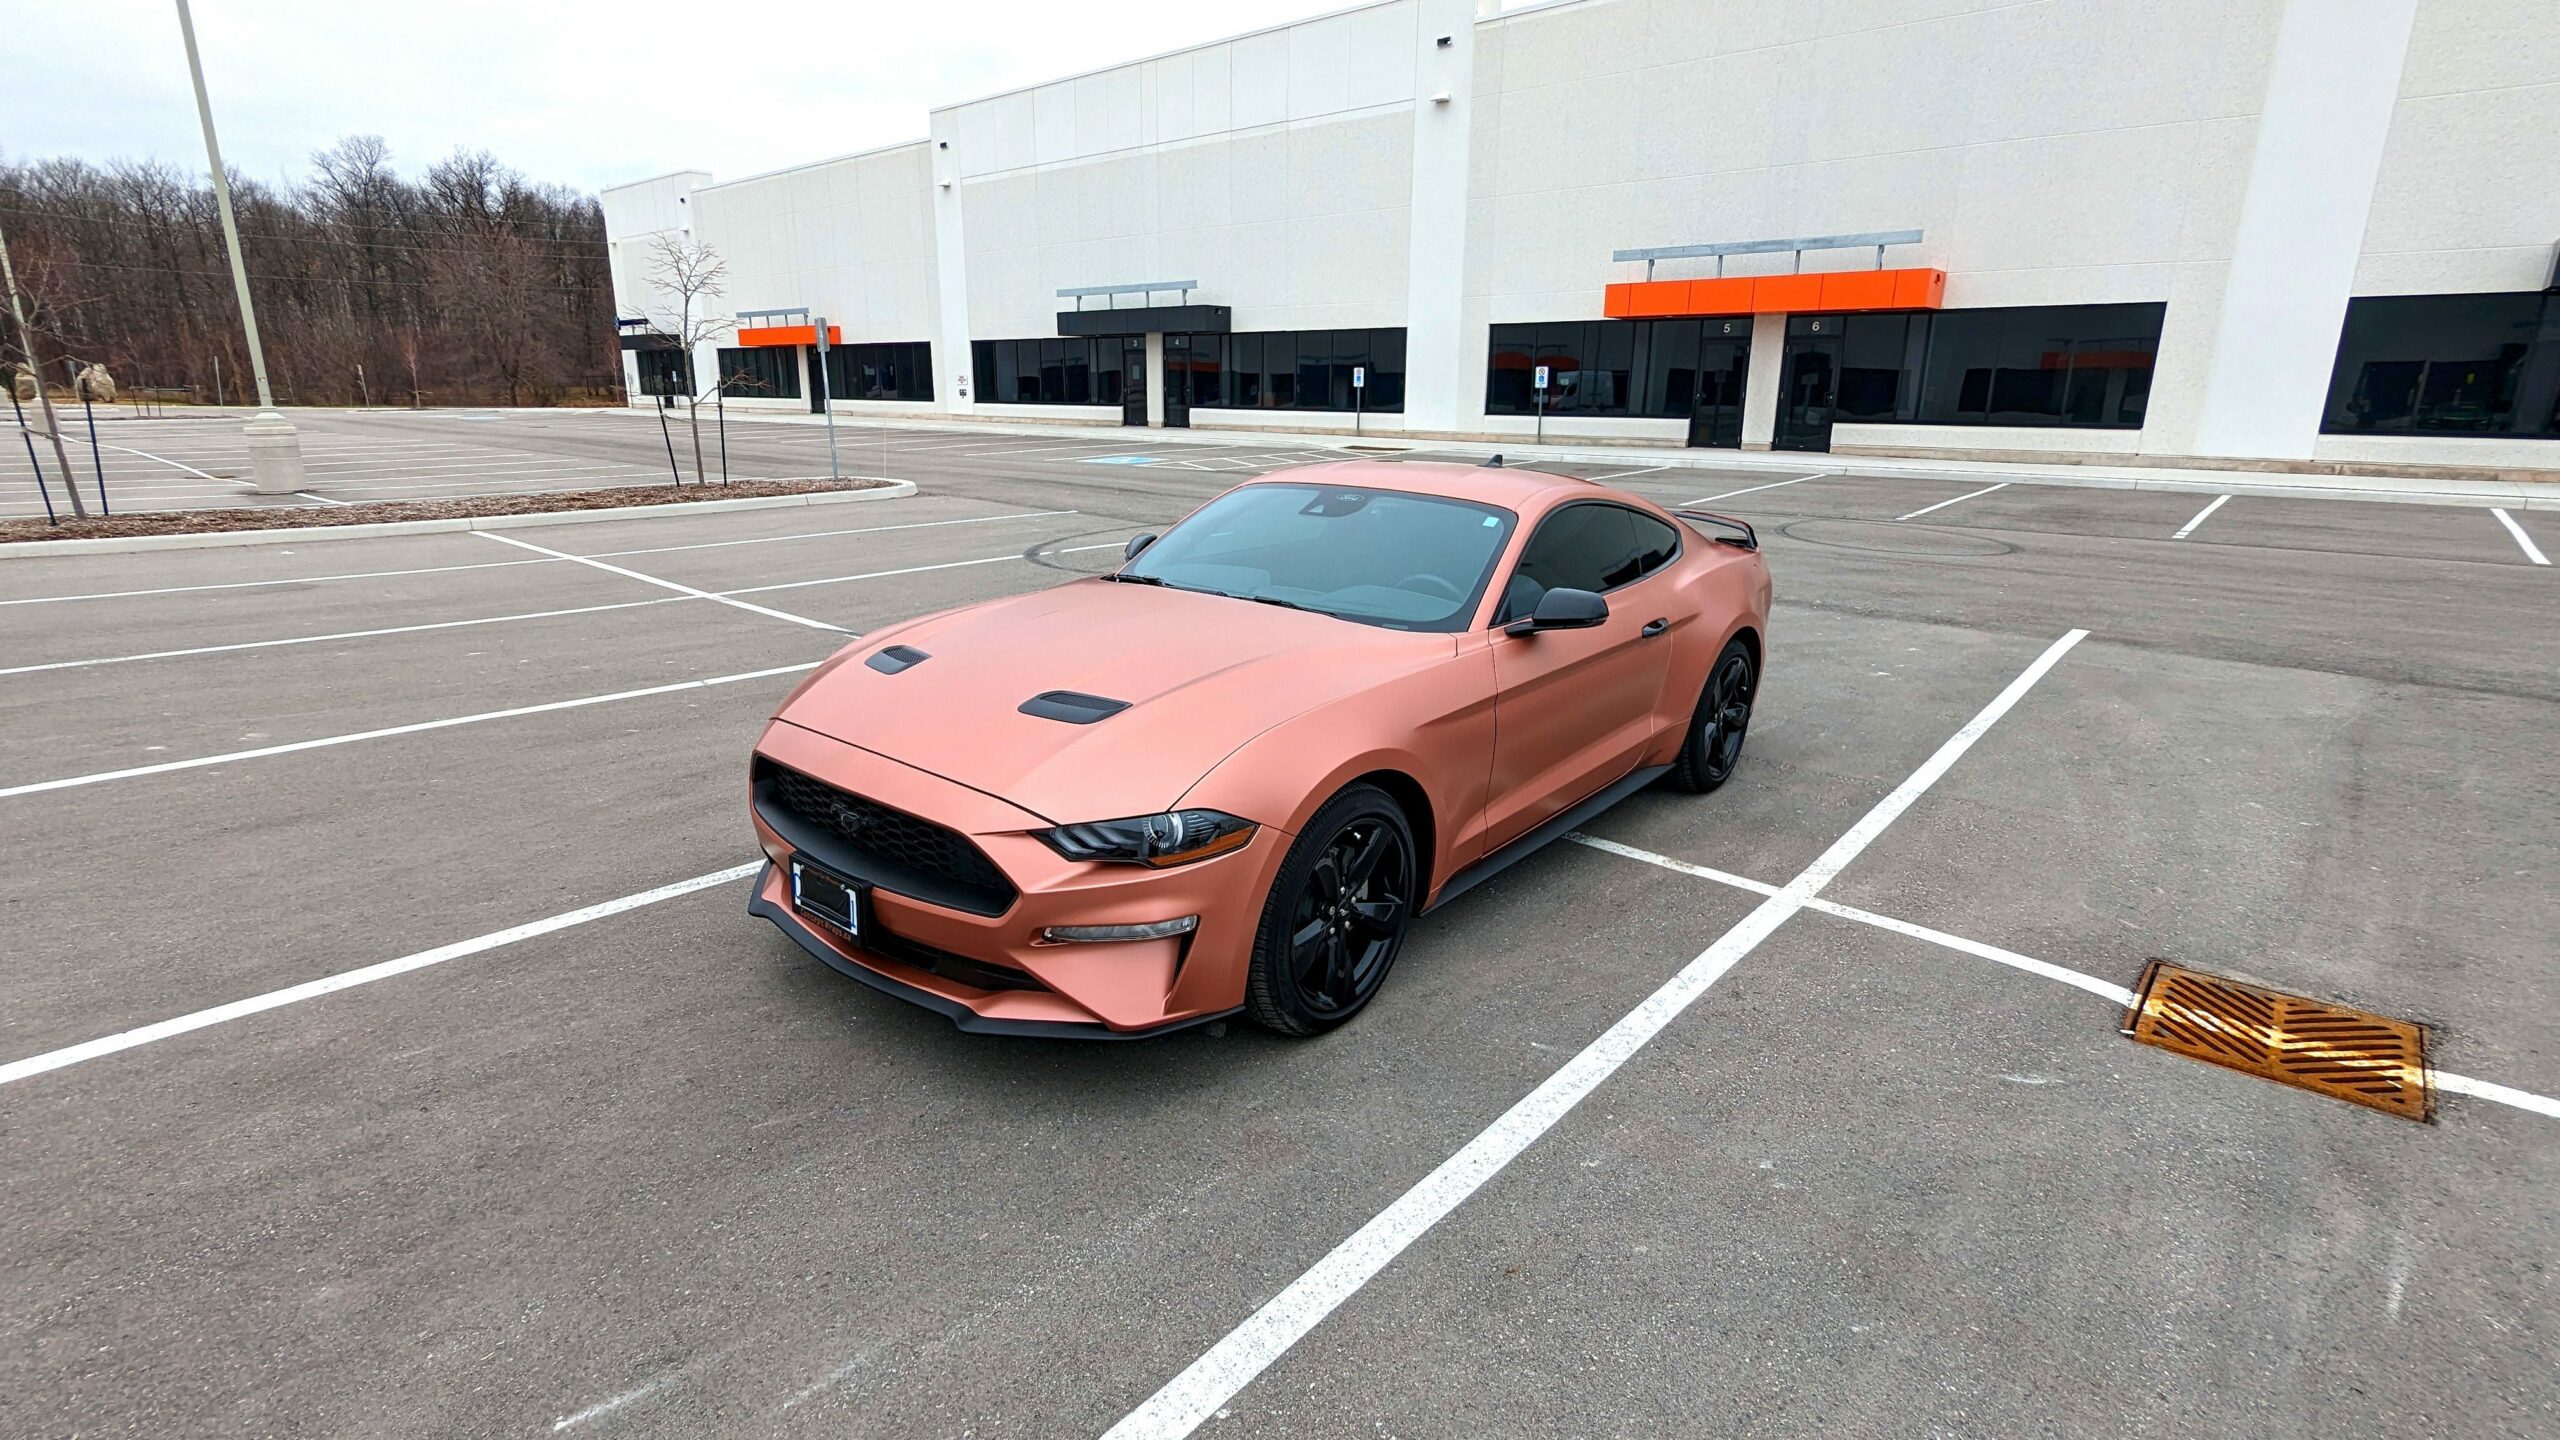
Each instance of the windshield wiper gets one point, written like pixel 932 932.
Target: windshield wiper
pixel 1132 579
pixel 1283 604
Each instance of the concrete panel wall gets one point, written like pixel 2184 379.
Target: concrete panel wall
pixel 1275 168
pixel 851 239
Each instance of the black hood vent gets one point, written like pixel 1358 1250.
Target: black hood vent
pixel 897 658
pixel 1072 707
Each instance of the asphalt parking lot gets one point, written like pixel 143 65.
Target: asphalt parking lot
pixel 388 1050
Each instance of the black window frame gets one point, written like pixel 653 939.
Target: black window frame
pixel 781 364
pixel 1083 370
pixel 1619 369
pixel 2520 377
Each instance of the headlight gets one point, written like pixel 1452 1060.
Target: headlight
pixel 1157 840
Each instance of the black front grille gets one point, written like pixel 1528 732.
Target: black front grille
pixel 934 960
pixel 870 841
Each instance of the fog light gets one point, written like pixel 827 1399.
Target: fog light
pixel 1152 930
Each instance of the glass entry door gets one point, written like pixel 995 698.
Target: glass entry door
pixel 1810 377
pixel 1723 365
pixel 1133 380
pixel 1179 360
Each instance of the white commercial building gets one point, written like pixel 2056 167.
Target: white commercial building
pixel 2256 231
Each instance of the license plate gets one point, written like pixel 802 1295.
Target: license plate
pixel 828 896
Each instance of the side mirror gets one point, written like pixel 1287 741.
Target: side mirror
pixel 1136 544
pixel 1562 609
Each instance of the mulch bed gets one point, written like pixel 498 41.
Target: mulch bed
pixel 279 517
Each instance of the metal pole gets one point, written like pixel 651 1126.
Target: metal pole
pixel 826 401
pixel 44 399
pixel 34 466
pixel 364 397
pixel 669 436
pixel 217 380
pixel 275 449
pixel 720 406
pixel 96 462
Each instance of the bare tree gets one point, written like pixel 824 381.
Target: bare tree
pixel 687 274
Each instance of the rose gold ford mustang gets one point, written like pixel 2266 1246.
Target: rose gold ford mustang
pixel 1228 777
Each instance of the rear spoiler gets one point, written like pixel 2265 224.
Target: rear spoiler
pixel 1742 536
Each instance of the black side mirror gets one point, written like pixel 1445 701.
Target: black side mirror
pixel 1562 609
pixel 1136 544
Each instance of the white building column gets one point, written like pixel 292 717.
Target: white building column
pixel 2293 256
pixel 954 383
pixel 1761 384
pixel 1155 379
pixel 1438 372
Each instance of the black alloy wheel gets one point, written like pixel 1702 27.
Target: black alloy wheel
pixel 1723 717
pixel 1336 916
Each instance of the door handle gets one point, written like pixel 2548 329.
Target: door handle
pixel 1654 628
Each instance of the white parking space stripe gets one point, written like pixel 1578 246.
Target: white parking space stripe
pixel 1624 474
pixel 1943 504
pixel 325 742
pixel 1748 489
pixel 661 584
pixel 913 570
pixel 504 564
pixel 341 635
pixel 2532 551
pixel 2106 990
pixel 34 1065
pixel 1193 1396
pixel 2201 516
pixel 176 465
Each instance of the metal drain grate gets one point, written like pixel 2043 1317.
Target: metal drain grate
pixel 2369 1060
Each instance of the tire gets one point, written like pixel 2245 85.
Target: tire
pixel 1336 916
pixel 1713 746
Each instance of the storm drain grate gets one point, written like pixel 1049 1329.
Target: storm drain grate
pixel 2364 1059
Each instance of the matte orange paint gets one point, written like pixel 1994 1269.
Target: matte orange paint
pixel 760 335
pixel 1829 291
pixel 1256 710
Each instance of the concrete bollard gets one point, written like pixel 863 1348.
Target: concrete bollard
pixel 275 454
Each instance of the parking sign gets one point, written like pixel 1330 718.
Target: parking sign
pixel 1359 377
pixel 1541 381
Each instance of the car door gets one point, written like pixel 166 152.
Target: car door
pixel 1573 709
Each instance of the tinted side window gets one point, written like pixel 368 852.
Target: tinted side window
pixel 1581 547
pixel 1656 543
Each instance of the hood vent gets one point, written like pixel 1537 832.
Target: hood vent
pixel 897 658
pixel 1071 707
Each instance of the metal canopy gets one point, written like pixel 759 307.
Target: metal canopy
pixel 1077 293
pixel 1797 246
pixel 776 316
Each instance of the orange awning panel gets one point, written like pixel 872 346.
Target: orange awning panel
pixel 1845 290
pixel 755 335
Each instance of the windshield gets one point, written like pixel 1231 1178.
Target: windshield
pixel 1381 557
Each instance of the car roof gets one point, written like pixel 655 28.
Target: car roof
pixel 1518 490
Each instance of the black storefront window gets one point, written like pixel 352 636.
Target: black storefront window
pixel 760 372
pixel 2448 365
pixel 1298 370
pixel 1050 370
pixel 663 372
pixel 2034 365
pixel 899 370
pixel 1613 367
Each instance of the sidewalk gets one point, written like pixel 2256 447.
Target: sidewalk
pixel 2513 495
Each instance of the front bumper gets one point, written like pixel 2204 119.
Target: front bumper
pixel 990 973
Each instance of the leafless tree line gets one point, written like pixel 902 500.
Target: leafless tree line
pixel 469 285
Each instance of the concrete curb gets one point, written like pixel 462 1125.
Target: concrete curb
pixel 217 539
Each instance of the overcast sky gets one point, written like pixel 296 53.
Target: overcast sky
pixel 577 93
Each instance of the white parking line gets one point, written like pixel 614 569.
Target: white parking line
pixel 70 782
pixel 339 635
pixel 2532 551
pixel 17 1070
pixel 1210 1381
pixel 504 564
pixel 1748 489
pixel 2106 990
pixel 1943 504
pixel 915 570
pixel 2201 516
pixel 1623 474
pixel 661 584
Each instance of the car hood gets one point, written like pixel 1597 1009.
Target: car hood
pixel 1201 675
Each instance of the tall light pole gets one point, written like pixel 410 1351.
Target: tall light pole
pixel 275 448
